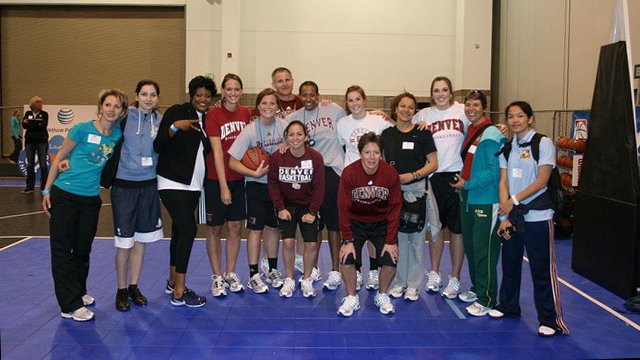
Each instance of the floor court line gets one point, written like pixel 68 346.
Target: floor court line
pixel 31 213
pixel 16 243
pixel 596 301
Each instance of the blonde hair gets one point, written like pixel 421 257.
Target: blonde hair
pixel 33 101
pixel 118 94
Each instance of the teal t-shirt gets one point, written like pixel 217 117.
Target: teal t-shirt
pixel 87 159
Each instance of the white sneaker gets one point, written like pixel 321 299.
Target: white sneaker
pixel 476 309
pixel 307 288
pixel 232 281
pixel 298 264
pixel 383 302
pixel 256 284
pixel 349 305
pixel 546 331
pixel 288 287
pixel 434 282
pixel 275 278
pixel 412 294
pixel 217 286
pixel 88 300
pixel 358 280
pixel 453 288
pixel 397 291
pixel 468 296
pixel 81 314
pixel 316 275
pixel 264 266
pixel 334 279
pixel 373 282
pixel 496 314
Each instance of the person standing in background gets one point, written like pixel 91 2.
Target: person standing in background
pixel 36 140
pixel 16 135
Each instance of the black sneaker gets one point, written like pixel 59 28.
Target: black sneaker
pixel 27 191
pixel 122 300
pixel 136 296
pixel 189 299
pixel 169 288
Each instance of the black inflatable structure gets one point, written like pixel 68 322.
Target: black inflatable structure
pixel 606 243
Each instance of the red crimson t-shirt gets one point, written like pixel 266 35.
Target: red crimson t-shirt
pixel 370 198
pixel 468 157
pixel 226 125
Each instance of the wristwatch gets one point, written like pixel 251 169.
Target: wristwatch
pixel 347 241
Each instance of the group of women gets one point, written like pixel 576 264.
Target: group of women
pixel 360 175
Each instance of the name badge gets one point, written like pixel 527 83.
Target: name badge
pixel 94 139
pixel 295 186
pixel 472 149
pixel 147 161
pixel 407 145
pixel 306 164
pixel 516 173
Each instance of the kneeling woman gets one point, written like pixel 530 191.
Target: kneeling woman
pixel 72 202
pixel 369 204
pixel 296 186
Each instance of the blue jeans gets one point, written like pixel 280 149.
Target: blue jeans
pixel 31 150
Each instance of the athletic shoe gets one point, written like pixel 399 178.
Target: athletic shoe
pixel 495 314
pixel 189 299
pixel 453 288
pixel 82 314
pixel 476 309
pixel 434 281
pixel 397 291
pixel 307 288
pixel 88 300
pixel 373 282
pixel 349 305
pixel 256 284
pixel 298 264
pixel 122 300
pixel 264 266
pixel 288 287
pixel 316 275
pixel 383 302
pixel 411 294
pixel 217 286
pixel 136 296
pixel 232 281
pixel 29 191
pixel 169 288
pixel 334 279
pixel 468 296
pixel 274 278
pixel 358 280
pixel 546 331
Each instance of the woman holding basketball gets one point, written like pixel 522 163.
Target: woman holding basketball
pixel 296 185
pixel 224 188
pixel 265 132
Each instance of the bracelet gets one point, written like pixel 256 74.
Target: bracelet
pixel 45 192
pixel 174 128
pixel 502 218
pixel 515 201
pixel 347 242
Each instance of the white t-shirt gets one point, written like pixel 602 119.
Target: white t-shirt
pixel 448 128
pixel 350 130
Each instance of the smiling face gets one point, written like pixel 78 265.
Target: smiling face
pixel 309 97
pixel 283 83
pixel 147 98
pixel 231 91
pixel 474 110
pixel 201 100
pixel 356 103
pixel 296 136
pixel 268 107
pixel 111 109
pixel 370 157
pixel 441 94
pixel 405 109
pixel 518 121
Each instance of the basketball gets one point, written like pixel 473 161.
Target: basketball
pixel 253 157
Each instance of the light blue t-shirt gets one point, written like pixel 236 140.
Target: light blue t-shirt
pixel 87 159
pixel 522 170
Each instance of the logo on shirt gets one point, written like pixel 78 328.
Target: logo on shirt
pixel 369 194
pixel 355 136
pixel 230 128
pixel 295 175
pixel 447 124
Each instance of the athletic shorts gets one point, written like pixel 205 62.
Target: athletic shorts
pixel 218 212
pixel 136 215
pixel 260 209
pixel 288 227
pixel 328 215
pixel 376 233
pixel 448 201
